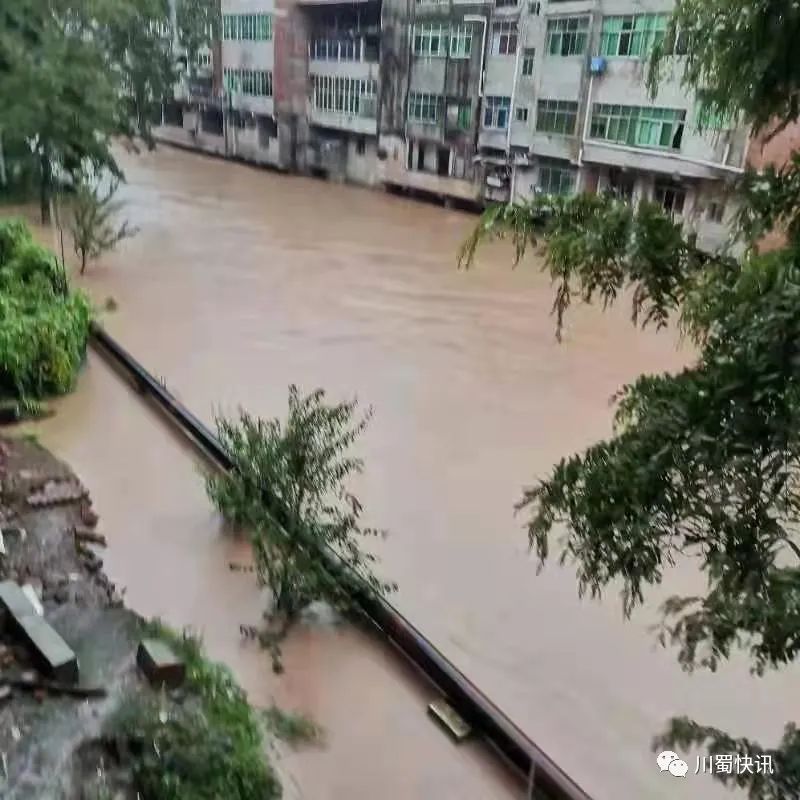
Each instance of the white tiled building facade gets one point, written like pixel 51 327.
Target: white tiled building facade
pixel 475 101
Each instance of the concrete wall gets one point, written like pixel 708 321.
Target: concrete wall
pixel 362 168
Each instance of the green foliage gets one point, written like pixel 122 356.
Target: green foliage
pixel 73 75
pixel 92 224
pixel 43 327
pixel 782 784
pixel 703 464
pixel 293 728
pixel 740 55
pixel 288 489
pixel 598 247
pixel 208 747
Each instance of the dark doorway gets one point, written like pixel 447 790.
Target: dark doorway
pixel 443 161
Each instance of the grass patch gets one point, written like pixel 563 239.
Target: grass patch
pixel 292 727
pixel 207 747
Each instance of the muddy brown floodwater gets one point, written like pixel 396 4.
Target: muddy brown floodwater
pixel 243 281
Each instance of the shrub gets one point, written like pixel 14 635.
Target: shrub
pixel 13 233
pixel 288 488
pixel 208 747
pixel 43 326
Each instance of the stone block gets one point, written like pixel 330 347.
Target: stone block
pixel 51 653
pixel 13 603
pixel 160 664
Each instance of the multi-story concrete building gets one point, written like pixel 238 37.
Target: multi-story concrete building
pixel 475 101
pixel 433 82
pixel 250 128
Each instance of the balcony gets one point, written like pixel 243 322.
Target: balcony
pixel 668 162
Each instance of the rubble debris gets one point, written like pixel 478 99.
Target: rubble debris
pixel 160 664
pixel 88 515
pixel 32 682
pixel 84 534
pixel 56 492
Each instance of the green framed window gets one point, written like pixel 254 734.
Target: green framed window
pixel 706 118
pixel 638 126
pixel 556 179
pixel 632 35
pixel 557 116
pixel 567 36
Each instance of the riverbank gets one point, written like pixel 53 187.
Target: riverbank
pixel 111 734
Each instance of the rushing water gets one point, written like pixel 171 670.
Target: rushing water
pixel 243 281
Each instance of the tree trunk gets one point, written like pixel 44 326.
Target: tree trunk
pixel 44 187
pixel 83 261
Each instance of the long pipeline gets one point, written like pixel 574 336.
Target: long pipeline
pixel 534 765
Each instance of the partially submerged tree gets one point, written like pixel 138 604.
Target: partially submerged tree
pixel 92 222
pixel 702 464
pixel 288 490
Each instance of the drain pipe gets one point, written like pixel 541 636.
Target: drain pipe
pixel 586 118
pixel 515 748
pixel 520 38
pixel 484 22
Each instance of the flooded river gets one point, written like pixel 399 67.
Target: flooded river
pixel 243 281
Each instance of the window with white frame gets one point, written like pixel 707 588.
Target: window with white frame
pixel 461 41
pixel 521 114
pixel 430 40
pixel 504 38
pixel 339 94
pixel 495 112
pixel 324 48
pixel 424 107
pixel 253 82
pixel 556 178
pixel 528 56
pixel 247 27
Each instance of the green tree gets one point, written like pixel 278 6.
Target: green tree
pixel 702 464
pixel 92 219
pixel 74 74
pixel 288 489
